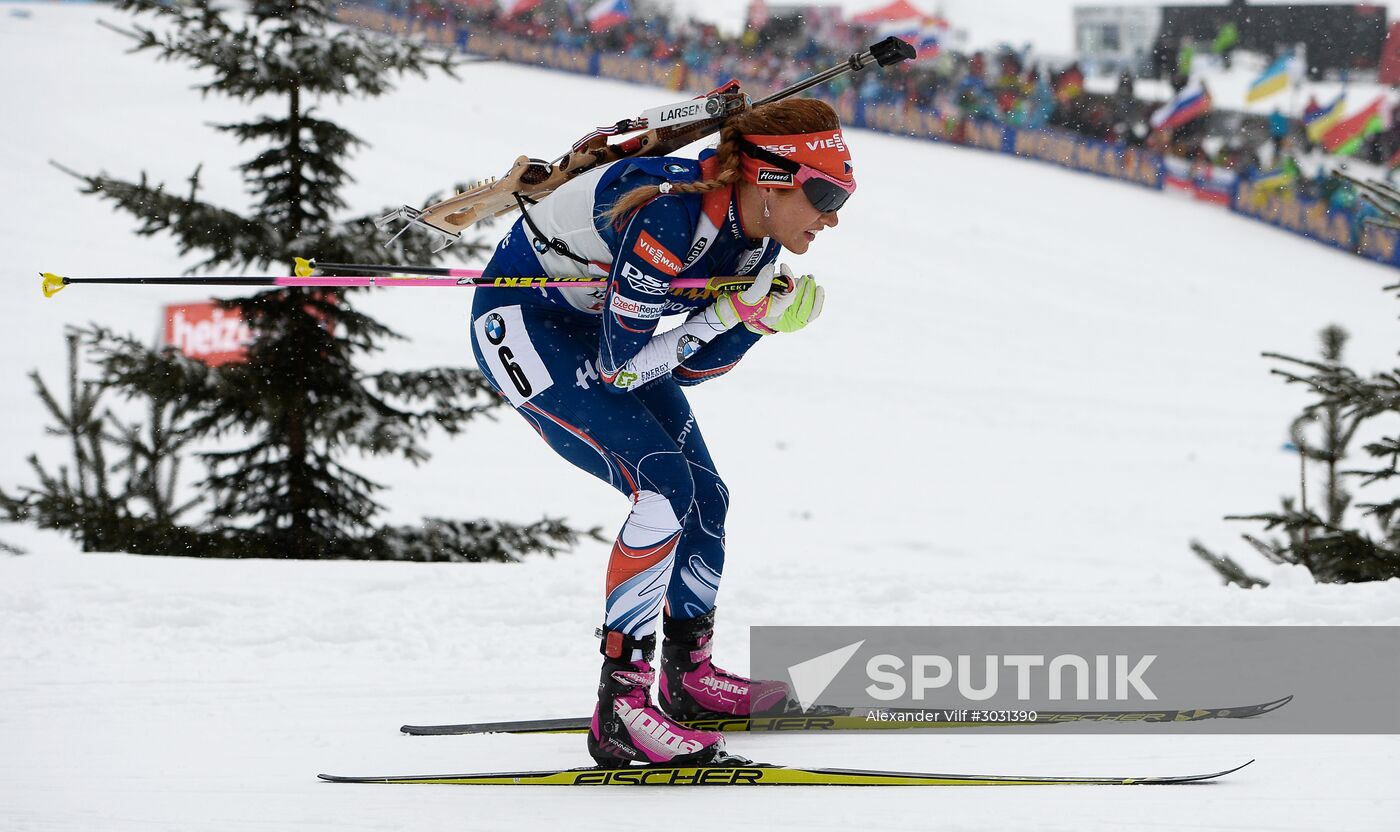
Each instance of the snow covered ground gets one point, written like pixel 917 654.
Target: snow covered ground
pixel 1030 389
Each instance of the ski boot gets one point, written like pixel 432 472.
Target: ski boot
pixel 692 688
pixel 627 728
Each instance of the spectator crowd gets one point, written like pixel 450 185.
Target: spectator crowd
pixel 1006 86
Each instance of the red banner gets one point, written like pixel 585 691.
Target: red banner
pixel 206 332
pixel 214 335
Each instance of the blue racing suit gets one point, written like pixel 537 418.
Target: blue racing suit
pixel 587 368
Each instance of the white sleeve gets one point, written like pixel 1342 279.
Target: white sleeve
pixel 666 350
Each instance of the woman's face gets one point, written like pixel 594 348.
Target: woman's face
pixel 791 220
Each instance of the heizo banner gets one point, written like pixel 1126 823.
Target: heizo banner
pixel 214 335
pixel 207 332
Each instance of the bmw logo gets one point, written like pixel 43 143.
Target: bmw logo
pixel 687 346
pixel 540 245
pixel 675 168
pixel 495 328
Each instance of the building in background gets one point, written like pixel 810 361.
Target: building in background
pixel 1117 37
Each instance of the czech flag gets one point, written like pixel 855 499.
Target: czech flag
pixel 606 14
pixel 1321 121
pixel 1191 103
pixel 1274 79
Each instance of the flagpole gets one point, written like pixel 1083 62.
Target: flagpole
pixel 1293 90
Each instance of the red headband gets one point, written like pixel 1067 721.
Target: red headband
pixel 824 150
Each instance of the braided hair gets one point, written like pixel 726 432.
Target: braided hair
pixel 780 118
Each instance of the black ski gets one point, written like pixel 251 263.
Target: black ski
pixel 761 774
pixel 824 718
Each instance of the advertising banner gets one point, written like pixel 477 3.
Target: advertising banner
pixel 206 332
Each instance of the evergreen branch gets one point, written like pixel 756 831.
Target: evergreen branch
pixel 1270 551
pixel 127 33
pixel 476 541
pixel 283 50
pixel 298 401
pixel 1341 386
pixel 130 369
pixel 307 174
pixel 444 388
pixel 229 238
pixel 1231 572
pixel 1381 510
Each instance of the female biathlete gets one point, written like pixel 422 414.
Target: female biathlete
pixel 586 368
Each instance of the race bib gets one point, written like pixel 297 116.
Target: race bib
pixel 511 358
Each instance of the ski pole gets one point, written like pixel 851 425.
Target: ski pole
pixel 305 267
pixel 54 283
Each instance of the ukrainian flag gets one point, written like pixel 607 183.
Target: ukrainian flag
pixel 1274 79
pixel 1277 179
pixel 1323 120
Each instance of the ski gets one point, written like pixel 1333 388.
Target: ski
pixel 860 719
pixel 762 774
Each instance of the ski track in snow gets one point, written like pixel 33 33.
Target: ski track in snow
pixel 1025 396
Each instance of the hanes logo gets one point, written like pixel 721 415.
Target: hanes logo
pixel 774 175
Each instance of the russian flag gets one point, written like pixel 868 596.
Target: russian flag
pixel 1177 173
pixel 1192 102
pixel 606 14
pixel 905 30
pixel 929 40
pixel 518 7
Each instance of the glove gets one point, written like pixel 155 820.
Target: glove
pixel 769 306
pixel 794 310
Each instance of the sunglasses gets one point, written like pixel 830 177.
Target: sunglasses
pixel 826 193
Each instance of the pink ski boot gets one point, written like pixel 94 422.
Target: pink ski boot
pixel 692 688
pixel 627 728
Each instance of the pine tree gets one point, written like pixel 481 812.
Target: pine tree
pixel 299 402
pixel 1331 551
pixel 119 491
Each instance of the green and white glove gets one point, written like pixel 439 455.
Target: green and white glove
pixel 794 310
pixel 767 306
